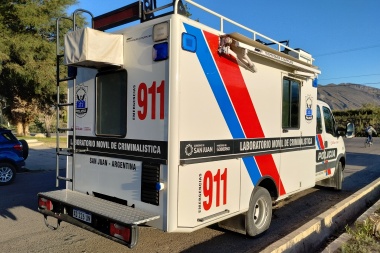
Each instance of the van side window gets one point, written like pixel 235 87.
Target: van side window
pixel 329 121
pixel 319 120
pixel 111 103
pixel 290 103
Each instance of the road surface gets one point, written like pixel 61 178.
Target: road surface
pixel 22 228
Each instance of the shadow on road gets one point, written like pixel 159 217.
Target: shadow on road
pixel 23 192
pixel 297 210
pixel 361 169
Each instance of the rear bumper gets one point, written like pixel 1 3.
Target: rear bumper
pixel 67 218
pixel 20 164
pixel 103 214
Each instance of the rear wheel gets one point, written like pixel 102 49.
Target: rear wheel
pixel 259 214
pixel 7 173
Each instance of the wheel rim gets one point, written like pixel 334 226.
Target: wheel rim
pixel 6 174
pixel 260 213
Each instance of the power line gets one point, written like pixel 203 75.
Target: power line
pixel 372 83
pixel 347 50
pixel 349 77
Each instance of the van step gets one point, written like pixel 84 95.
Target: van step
pixel 101 207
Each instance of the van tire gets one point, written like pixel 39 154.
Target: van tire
pixel 338 177
pixel 259 215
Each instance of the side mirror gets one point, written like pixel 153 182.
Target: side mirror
pixel 341 131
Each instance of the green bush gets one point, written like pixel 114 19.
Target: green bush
pixel 362 238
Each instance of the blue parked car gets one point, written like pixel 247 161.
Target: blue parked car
pixel 13 153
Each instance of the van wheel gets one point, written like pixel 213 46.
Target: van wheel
pixel 339 177
pixel 259 214
pixel 7 173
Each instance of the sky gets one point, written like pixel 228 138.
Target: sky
pixel 343 36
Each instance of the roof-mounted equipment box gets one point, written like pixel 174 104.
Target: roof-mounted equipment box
pixel 93 49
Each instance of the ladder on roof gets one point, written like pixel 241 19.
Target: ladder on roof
pixel 70 150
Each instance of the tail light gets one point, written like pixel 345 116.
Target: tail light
pixel 45 204
pixel 17 147
pixel 120 232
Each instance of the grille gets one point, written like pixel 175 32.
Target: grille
pixel 150 177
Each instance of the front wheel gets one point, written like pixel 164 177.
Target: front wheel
pixel 259 214
pixel 7 173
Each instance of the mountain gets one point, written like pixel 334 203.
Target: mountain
pixel 348 96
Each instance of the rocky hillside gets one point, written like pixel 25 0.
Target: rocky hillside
pixel 348 96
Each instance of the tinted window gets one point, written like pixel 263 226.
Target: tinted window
pixel 290 104
pixel 319 121
pixel 329 121
pixel 7 136
pixel 111 103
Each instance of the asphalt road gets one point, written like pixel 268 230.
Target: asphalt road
pixel 22 228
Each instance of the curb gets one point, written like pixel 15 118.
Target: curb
pixel 337 243
pixel 314 234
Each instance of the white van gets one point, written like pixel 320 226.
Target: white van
pixel 177 125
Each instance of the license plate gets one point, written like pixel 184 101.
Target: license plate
pixel 83 216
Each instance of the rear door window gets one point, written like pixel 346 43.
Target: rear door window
pixel 111 103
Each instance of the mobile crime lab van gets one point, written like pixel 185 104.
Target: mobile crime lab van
pixel 177 125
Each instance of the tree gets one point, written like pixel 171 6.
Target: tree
pixel 367 114
pixel 28 57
